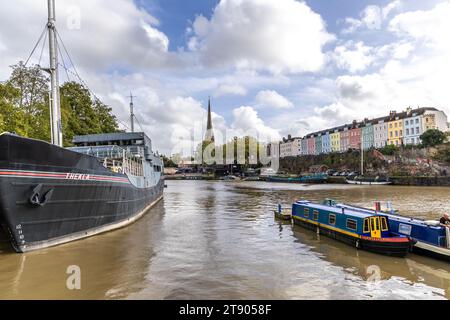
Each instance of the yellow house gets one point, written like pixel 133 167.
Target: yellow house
pixel 395 132
pixel 335 139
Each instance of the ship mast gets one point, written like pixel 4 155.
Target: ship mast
pixel 55 111
pixel 131 112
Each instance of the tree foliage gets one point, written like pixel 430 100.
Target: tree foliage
pixel 24 107
pixel 389 150
pixel 432 138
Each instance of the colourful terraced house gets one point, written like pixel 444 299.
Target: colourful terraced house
pixel 395 130
pixel 368 136
pixel 335 139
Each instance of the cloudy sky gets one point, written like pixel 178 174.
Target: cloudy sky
pixel 271 67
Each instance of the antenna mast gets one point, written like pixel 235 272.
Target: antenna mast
pixel 132 112
pixel 55 111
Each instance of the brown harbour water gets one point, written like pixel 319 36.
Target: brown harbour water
pixel 219 240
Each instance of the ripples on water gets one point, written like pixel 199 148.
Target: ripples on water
pixel 219 240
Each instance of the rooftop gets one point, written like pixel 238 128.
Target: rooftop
pixel 106 137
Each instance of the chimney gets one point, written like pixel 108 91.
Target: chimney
pixel 392 114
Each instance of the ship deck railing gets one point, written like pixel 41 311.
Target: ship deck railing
pixel 116 158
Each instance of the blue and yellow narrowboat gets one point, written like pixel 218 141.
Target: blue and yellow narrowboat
pixel 430 238
pixel 364 230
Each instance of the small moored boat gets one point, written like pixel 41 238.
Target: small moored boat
pixel 283 213
pixel 364 230
pixel 361 180
pixel 430 237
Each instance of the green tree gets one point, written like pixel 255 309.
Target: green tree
pixel 24 107
pixel 33 102
pixel 11 117
pixel 107 121
pixel 432 138
pixel 168 163
pixel 389 150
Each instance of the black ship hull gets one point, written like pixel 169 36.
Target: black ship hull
pixel 50 195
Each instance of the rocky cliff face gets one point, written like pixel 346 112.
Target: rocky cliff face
pixel 405 162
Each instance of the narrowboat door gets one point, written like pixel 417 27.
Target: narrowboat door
pixel 375 228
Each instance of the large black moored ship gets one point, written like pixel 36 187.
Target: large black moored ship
pixel 51 195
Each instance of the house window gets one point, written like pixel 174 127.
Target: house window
pixel 407 132
pixel 352 224
pixel 407 122
pixel 316 215
pixel 332 219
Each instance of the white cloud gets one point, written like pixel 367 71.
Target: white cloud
pixel 106 33
pixel 248 122
pixel 354 57
pixel 272 99
pixel 230 89
pixel 281 36
pixel 431 26
pixel 372 17
pixel 392 6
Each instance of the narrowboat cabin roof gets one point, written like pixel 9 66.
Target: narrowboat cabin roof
pixel 413 221
pixel 337 210
pixel 118 138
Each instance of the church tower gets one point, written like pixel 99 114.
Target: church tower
pixel 209 137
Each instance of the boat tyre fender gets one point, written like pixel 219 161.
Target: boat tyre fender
pixel 358 245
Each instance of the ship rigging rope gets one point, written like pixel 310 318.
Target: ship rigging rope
pixel 64 66
pixel 138 123
pixel 36 45
pixel 42 49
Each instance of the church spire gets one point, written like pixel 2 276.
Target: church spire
pixel 209 126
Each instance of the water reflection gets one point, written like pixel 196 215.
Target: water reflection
pixel 112 265
pixel 219 240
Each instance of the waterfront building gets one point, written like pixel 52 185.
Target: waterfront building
pixel 413 127
pixel 355 133
pixel 311 145
pixel 326 142
pixel 368 136
pixel 395 129
pixel 335 139
pixel 380 132
pixel 318 143
pixel 434 119
pixel 291 147
pixel 345 139
pixel 304 147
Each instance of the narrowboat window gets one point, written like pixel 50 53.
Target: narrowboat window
pixel 366 226
pixel 306 213
pixel 332 219
pixel 384 226
pixel 316 215
pixel 352 224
